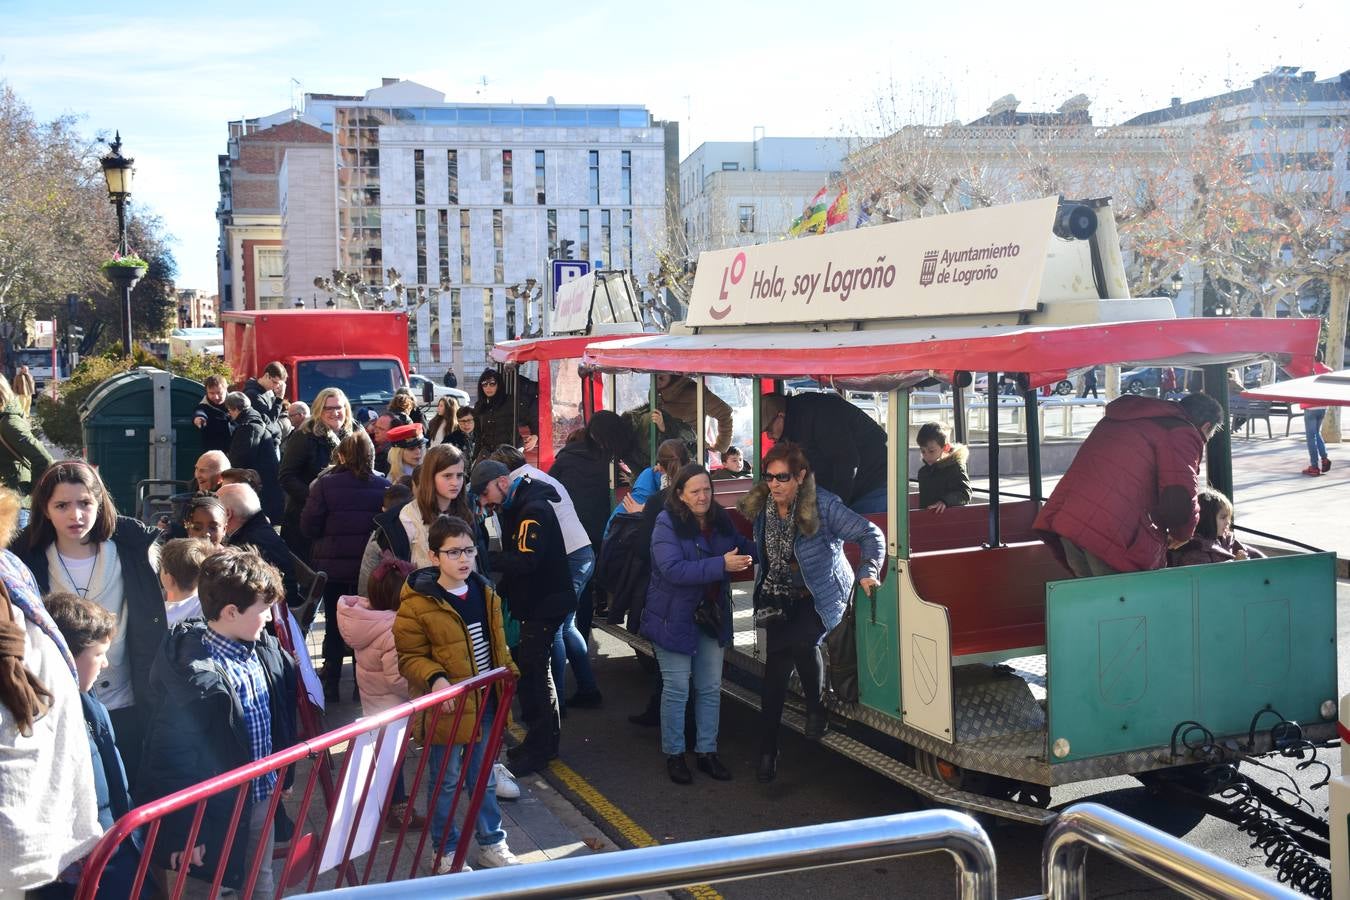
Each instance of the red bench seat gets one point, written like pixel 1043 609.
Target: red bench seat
pixel 995 599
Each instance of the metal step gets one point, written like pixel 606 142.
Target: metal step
pixel 902 774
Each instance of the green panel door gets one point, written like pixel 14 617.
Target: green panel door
pixel 1270 639
pixel 878 630
pixel 1131 656
pixel 1121 661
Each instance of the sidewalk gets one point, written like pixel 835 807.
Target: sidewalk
pixel 541 825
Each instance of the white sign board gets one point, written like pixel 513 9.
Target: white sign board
pixel 572 310
pixel 360 759
pixel 982 261
pixel 44 334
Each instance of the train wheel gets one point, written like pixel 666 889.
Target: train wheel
pixel 949 774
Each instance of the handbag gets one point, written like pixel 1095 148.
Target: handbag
pixel 708 616
pixel 774 605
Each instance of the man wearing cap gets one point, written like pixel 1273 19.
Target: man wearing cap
pixel 528 557
pixel 406 447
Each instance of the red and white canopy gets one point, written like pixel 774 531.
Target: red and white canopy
pixel 1327 389
pixel 906 355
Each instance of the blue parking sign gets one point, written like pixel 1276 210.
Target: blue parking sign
pixel 565 270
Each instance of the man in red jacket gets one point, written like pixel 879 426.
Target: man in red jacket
pixel 1131 490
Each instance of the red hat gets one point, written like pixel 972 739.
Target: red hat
pixel 408 436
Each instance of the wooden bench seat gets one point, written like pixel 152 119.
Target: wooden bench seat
pixel 995 599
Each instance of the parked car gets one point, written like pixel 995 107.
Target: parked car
pixel 1136 381
pixel 1063 387
pixel 418 385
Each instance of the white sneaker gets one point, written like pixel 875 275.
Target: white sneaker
pixel 448 861
pixel 507 789
pixel 494 856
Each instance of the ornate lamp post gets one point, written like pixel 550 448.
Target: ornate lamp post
pixel 118 171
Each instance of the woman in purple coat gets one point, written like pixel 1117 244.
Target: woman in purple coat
pixel 695 550
pixel 339 517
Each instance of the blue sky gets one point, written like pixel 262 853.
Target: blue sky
pixel 170 77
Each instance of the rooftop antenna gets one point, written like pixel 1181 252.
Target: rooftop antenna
pixel 295 98
pixel 482 86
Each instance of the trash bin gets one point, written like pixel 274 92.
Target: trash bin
pixel 122 438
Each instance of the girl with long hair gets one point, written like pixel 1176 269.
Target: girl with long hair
pixel 77 543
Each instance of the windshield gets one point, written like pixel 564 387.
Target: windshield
pixel 364 381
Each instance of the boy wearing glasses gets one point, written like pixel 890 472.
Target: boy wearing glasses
pixel 448 629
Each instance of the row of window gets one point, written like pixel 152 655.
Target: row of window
pixel 508 176
pixel 605 246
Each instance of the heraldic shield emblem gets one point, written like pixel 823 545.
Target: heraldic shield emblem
pixel 1122 660
pixel 923 667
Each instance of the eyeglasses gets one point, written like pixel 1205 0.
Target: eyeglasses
pixel 457 553
pixel 780 477
pixel 329 409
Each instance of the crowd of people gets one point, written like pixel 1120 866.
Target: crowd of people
pixel 447 553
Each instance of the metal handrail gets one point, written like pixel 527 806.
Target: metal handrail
pixel 1185 869
pixel 721 859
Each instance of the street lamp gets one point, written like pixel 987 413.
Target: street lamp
pixel 118 171
pixel 314 302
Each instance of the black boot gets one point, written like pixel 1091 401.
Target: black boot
pixel 710 765
pixel 651 716
pixel 817 724
pixel 678 769
pixel 768 767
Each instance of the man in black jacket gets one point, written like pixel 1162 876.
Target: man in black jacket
pixel 847 450
pixel 267 393
pixel 255 445
pixel 247 526
pixel 526 546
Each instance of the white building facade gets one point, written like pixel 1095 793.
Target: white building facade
pixel 466 201
pixel 735 193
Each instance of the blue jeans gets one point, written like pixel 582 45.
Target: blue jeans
pixel 569 645
pixel 706 667
pixel 489 825
pixel 874 501
pixel 1312 431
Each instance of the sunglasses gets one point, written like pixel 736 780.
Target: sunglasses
pixel 780 477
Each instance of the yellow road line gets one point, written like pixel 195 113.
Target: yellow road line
pixel 620 821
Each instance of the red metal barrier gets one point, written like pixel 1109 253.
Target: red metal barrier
pixel 305 851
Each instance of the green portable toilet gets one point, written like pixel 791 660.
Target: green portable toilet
pixel 137 425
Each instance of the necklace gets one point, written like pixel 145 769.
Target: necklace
pixel 81 591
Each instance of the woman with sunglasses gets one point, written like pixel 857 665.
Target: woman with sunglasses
pixel 803 585
pixel 307 453
pixel 695 551
pixel 494 414
pixel 77 543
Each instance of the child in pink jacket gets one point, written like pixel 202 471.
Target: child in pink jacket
pixel 367 625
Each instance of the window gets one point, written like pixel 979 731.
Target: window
pixel 605 244
pixel 731 167
pixel 552 216
pixel 539 177
pixel 421 246
pixel 419 177
pixel 593 161
pixel 626 177
pixel 489 321
pixel 746 216
pixel 271 264
pixel 507 186
pixel 628 239
pixel 584 237
pixel 465 269
pixel 456 320
pixel 498 251
pixel 452 175
pixel 443 244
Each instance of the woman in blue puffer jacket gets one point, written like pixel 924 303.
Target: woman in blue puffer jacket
pixel 803 585
pixel 695 549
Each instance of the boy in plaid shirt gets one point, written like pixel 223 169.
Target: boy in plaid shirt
pixel 224 695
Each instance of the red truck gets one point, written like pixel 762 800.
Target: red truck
pixel 362 352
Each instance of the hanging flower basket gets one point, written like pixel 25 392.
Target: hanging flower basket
pixel 125 270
